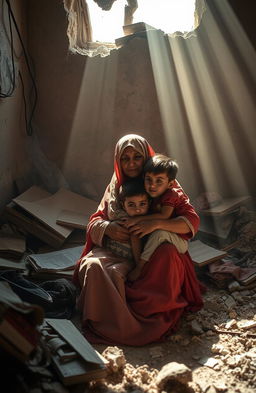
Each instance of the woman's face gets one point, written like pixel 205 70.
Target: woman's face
pixel 131 162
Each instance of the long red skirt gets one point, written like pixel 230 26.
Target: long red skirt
pixel 115 312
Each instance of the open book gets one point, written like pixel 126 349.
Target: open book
pixel 64 259
pixel 202 254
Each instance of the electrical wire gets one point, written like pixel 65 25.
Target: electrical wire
pixel 29 128
pixel 9 94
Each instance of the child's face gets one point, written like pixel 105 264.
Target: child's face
pixel 157 184
pixel 136 205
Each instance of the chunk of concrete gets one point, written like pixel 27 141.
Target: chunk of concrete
pixel 173 373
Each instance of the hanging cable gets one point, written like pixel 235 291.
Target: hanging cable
pixel 28 121
pixel 9 94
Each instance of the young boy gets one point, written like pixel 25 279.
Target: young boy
pixel 159 180
pixel 135 201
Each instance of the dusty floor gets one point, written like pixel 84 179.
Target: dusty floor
pixel 218 344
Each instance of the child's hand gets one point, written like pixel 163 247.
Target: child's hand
pixel 129 222
pixel 134 274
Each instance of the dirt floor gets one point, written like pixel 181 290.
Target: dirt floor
pixel 218 344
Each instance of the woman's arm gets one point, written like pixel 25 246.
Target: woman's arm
pixel 175 225
pixel 165 213
pixel 117 232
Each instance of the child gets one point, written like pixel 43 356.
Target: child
pixel 159 180
pixel 134 201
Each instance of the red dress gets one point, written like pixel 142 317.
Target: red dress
pixel 116 312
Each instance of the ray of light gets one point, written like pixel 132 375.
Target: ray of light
pixel 93 127
pixel 205 96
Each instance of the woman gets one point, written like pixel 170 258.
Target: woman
pixel 147 310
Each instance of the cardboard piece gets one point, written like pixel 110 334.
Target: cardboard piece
pixel 30 224
pixel 36 211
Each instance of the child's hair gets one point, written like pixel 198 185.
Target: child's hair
pixel 160 163
pixel 131 188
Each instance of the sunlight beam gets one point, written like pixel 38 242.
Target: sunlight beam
pixel 202 104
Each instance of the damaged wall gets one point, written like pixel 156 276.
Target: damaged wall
pixel 14 161
pixel 86 104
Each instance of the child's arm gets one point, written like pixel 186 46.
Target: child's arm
pixel 166 212
pixel 136 249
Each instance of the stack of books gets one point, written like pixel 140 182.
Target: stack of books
pixel 53 264
pixel 72 356
pixel 19 324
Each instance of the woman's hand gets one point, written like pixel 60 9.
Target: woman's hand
pixel 143 228
pixel 117 232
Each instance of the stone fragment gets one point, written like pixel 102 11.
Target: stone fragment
pixel 236 295
pixel 220 386
pixel 231 324
pixel 212 306
pixel 209 362
pixel 196 327
pixel 233 286
pixel 232 314
pixel 247 324
pixel 172 373
pixel 219 348
pixel 211 389
pixel 115 357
